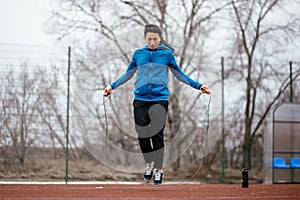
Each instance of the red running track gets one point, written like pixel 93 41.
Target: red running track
pixel 149 192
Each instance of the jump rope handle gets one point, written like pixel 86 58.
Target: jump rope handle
pixel 107 91
pixel 205 90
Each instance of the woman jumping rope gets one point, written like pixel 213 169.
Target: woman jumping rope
pixel 152 64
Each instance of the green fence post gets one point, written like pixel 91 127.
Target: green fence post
pixel 223 123
pixel 68 108
pixel 291 82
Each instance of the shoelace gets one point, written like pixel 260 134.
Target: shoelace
pixel 158 175
pixel 148 170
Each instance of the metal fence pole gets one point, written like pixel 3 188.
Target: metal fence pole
pixel 291 82
pixel 68 108
pixel 292 126
pixel 223 123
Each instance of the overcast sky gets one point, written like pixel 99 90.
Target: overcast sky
pixel 21 22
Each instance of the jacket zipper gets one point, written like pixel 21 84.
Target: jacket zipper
pixel 150 76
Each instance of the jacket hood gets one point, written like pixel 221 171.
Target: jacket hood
pixel 162 46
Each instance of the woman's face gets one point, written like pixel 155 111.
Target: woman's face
pixel 152 40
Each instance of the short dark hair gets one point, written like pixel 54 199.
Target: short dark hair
pixel 152 28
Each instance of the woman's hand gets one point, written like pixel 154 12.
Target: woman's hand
pixel 107 91
pixel 204 89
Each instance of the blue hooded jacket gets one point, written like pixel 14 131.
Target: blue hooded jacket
pixel 152 78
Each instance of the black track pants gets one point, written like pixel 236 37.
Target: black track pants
pixel 150 120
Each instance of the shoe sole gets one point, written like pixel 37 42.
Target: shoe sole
pixel 157 184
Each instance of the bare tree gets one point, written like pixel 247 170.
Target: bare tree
pixel 51 106
pixel 33 106
pixel 19 112
pixel 256 44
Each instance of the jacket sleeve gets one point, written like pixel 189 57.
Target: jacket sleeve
pixel 131 69
pixel 180 75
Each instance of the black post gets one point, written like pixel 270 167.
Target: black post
pixel 244 178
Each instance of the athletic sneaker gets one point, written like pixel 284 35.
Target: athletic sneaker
pixel 148 173
pixel 158 176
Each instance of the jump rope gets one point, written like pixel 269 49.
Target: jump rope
pixel 106 132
